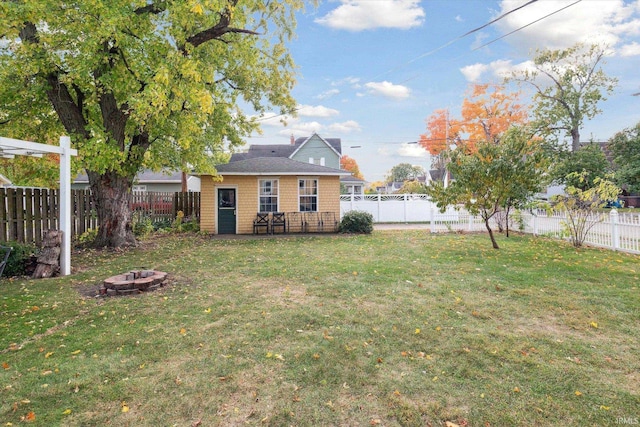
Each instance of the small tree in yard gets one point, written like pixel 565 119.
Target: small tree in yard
pixel 581 206
pixel 493 178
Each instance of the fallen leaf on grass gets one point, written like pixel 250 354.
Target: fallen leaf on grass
pixel 31 416
pixel 125 407
pixel 66 412
pixel 5 365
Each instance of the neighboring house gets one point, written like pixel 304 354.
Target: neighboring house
pixel 314 149
pixel 353 185
pixel 148 180
pixel 267 184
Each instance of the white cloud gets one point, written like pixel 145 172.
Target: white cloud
pixel 348 126
pixel 316 111
pixel 272 119
pixel 302 129
pixel 412 150
pixel 459 18
pixel 590 21
pixel 495 70
pixel 388 89
pixel 632 49
pixel 473 72
pixel 328 94
pixel 358 15
pixel 353 81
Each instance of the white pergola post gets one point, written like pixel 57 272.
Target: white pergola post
pixel 65 205
pixel 10 147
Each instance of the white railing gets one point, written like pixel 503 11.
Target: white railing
pixel 617 231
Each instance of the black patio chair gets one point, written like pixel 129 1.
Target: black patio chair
pixel 261 221
pixel 278 220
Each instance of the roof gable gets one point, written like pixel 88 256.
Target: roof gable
pixel 334 146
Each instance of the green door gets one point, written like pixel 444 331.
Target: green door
pixel 226 211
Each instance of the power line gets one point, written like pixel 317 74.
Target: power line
pixel 525 26
pixel 506 35
pixel 450 42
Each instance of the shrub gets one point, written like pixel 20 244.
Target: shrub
pixel 356 222
pixel 142 226
pixel 162 225
pixel 19 259
pixel 88 237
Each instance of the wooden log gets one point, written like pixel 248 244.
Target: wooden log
pixel 49 258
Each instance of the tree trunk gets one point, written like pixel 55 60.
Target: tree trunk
pixel 575 139
pixel 506 216
pixel 49 258
pixel 493 239
pixel 112 197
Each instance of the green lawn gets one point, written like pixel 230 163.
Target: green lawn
pixel 397 328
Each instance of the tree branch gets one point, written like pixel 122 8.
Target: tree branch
pixel 153 8
pixel 218 30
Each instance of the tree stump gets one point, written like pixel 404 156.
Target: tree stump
pixel 49 258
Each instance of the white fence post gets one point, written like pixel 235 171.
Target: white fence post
pixel 615 231
pixel 404 205
pixel 432 220
pixel 470 221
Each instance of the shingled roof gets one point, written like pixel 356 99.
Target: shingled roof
pixel 281 150
pixel 276 165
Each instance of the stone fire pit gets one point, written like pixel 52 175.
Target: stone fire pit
pixel 133 282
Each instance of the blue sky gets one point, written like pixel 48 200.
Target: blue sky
pixel 371 71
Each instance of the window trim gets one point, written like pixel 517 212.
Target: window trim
pixel 316 195
pixel 273 180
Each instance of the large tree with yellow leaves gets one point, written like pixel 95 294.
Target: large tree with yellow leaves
pixel 142 83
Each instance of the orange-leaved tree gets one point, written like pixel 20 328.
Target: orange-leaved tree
pixel 488 112
pixel 350 165
pixel 441 132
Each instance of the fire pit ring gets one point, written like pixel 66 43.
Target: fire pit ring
pixel 133 282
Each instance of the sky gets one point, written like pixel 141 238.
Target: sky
pixel 372 71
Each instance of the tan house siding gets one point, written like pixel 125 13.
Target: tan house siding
pixel 247 198
pixel 207 205
pixel 329 194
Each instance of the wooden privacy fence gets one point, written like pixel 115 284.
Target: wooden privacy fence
pixel 26 213
pixel 164 206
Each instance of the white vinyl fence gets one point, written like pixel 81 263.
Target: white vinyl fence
pixel 617 231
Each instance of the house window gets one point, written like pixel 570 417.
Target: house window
pixel 139 188
pixel 308 195
pixel 268 195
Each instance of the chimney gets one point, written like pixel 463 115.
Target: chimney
pixel 293 140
